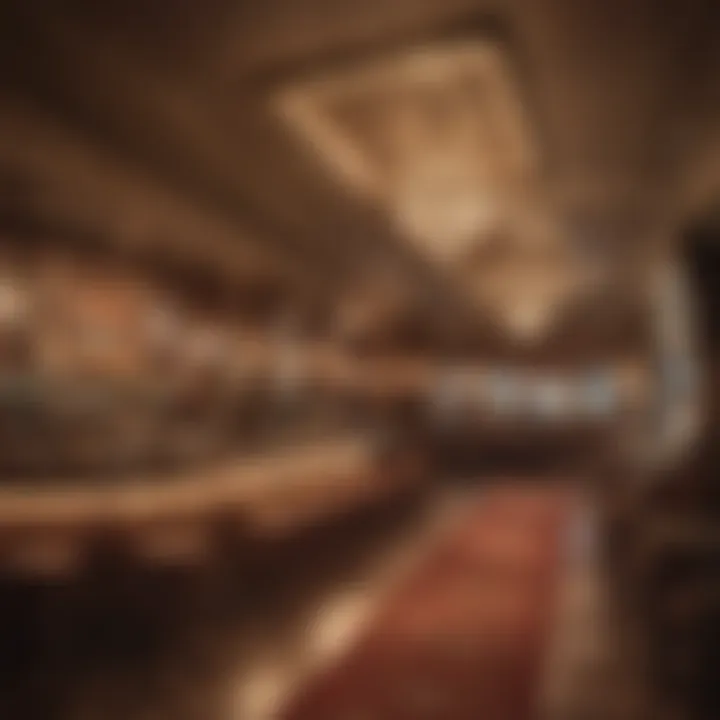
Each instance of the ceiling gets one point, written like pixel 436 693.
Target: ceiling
pixel 287 142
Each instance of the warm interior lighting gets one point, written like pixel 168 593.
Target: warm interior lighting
pixel 437 135
pixel 527 320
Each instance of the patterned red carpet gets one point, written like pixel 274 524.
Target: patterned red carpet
pixel 463 637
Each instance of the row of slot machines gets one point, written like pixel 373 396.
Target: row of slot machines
pixel 510 394
pixel 135 423
pixel 537 420
pixel 103 371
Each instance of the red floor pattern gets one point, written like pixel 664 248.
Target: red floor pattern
pixel 463 638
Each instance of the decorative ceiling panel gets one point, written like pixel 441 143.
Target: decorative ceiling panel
pixel 439 137
pixel 436 134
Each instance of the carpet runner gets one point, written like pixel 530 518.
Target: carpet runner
pixel 463 637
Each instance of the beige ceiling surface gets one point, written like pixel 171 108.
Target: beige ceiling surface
pixel 618 104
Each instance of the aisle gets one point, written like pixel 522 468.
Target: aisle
pixel 463 636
